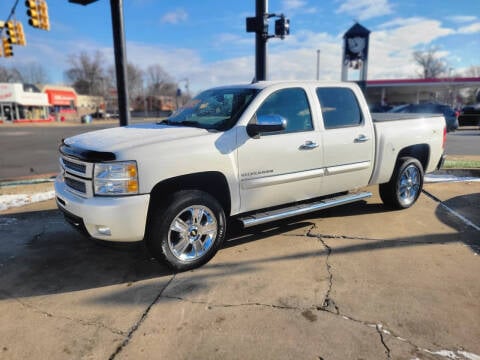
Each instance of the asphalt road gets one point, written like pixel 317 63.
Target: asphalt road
pixel 463 142
pixel 33 149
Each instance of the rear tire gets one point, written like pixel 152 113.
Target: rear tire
pixel 405 186
pixel 186 230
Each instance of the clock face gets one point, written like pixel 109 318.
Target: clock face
pixel 356 44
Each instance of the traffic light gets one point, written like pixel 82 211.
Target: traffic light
pixel 7 48
pixel 32 12
pixel 20 34
pixel 282 27
pixel 11 32
pixel 43 12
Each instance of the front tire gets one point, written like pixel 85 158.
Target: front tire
pixel 187 230
pixel 405 186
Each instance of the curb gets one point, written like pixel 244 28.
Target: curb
pixel 459 172
pixel 28 180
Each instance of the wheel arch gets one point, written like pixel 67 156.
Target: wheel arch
pixel 212 182
pixel 421 152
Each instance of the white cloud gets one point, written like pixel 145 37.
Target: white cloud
pixel 292 7
pixel 391 49
pixel 469 29
pixel 365 9
pixel 462 18
pixel 229 39
pixel 293 4
pixel 400 22
pixel 175 17
pixel 176 61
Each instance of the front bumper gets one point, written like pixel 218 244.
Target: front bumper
pixel 104 218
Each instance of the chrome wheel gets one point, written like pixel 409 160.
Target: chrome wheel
pixel 409 185
pixel 192 233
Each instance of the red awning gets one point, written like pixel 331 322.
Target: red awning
pixel 61 97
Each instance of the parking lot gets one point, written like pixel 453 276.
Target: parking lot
pixel 355 282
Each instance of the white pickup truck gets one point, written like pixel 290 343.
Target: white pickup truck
pixel 257 153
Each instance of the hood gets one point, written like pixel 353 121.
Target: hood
pixel 121 138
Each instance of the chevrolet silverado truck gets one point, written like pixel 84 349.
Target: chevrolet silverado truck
pixel 255 153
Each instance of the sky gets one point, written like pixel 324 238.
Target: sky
pixel 206 41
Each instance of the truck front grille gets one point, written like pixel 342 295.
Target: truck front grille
pixel 78 168
pixel 78 175
pixel 76 185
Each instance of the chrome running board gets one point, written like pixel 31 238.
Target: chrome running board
pixel 278 214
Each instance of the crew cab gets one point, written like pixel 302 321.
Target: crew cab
pixel 256 153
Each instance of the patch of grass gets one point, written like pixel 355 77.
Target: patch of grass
pixel 461 164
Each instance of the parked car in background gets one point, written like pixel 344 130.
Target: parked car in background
pixel 451 117
pixel 98 115
pixel 378 108
pixel 470 115
pixel 104 115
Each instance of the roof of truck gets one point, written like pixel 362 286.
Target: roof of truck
pixel 265 84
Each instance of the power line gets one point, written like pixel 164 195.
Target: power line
pixel 12 12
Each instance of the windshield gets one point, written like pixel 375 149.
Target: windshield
pixel 217 109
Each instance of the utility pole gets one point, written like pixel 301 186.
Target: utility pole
pixel 259 25
pixel 119 47
pixel 120 61
pixel 261 37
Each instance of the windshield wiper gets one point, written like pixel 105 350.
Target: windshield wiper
pixel 181 123
pixel 189 123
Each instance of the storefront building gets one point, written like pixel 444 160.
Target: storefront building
pixel 62 99
pixel 23 103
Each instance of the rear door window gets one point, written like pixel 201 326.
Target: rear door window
pixel 339 107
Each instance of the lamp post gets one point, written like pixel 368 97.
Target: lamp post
pixel 259 25
pixel 118 28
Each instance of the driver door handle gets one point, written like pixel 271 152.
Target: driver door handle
pixel 308 145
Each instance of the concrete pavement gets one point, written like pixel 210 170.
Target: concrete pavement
pixel 355 282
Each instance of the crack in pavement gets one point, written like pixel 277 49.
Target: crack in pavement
pixel 135 327
pixel 329 305
pixel 215 305
pixel 379 328
pixel 51 315
pixel 328 302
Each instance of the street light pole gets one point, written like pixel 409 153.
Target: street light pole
pixel 261 9
pixel 120 60
pixel 116 7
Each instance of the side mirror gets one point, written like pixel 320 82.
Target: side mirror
pixel 265 124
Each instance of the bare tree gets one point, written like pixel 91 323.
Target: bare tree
pixel 134 80
pixel 431 63
pixel 473 94
pixel 33 73
pixel 87 73
pixel 158 82
pixel 10 75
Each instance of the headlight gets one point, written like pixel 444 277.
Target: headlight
pixel 115 178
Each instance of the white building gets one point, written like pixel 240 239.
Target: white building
pixel 22 103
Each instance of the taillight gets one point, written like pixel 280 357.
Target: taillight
pixel 444 137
